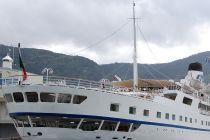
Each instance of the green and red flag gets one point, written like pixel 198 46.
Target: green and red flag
pixel 24 73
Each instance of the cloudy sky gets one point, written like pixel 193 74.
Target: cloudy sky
pixel 102 31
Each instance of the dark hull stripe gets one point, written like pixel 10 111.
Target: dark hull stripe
pixel 106 118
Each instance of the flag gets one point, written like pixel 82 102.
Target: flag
pixel 24 73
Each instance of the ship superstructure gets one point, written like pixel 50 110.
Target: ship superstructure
pixel 64 108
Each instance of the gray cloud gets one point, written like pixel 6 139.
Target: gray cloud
pixel 43 22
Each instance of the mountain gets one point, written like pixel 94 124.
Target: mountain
pixel 80 67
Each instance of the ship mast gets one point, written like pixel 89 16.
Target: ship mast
pixel 135 65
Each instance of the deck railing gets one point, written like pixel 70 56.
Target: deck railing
pixel 57 81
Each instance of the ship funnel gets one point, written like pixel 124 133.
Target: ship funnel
pixel 195 67
pixel 194 77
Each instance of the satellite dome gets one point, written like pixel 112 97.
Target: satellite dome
pixel 195 66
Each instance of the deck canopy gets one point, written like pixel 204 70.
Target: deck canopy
pixel 146 83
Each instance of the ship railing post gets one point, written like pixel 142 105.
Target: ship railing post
pixel 130 127
pixel 102 122
pixel 30 122
pixel 118 123
pixel 80 123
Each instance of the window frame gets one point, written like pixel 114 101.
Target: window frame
pixel 167 116
pixel 133 108
pixel 28 98
pixel 116 106
pixel 146 112
pixel 22 96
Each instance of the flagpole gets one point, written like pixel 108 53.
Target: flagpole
pixel 19 69
pixel 24 73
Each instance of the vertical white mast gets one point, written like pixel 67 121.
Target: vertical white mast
pixel 135 65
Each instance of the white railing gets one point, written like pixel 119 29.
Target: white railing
pixel 80 83
pixel 58 81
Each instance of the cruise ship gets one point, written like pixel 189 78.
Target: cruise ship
pixel 62 108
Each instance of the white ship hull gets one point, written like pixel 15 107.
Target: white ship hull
pixel 97 106
pixel 144 133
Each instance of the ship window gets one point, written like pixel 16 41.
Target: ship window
pixel 201 122
pixel 22 121
pixel 132 110
pixel 8 98
pixel 173 117
pixel 206 123
pixel 167 116
pixel 64 98
pixel 114 107
pixel 146 113
pixel 44 121
pixel 32 96
pixel 196 120
pixel 78 99
pixel 109 125
pixel 18 97
pixel 124 127
pixel 190 120
pixel 134 127
pixel 158 115
pixel 90 125
pixel 171 96
pixel 47 97
pixel 68 122
pixel 187 101
pixel 185 119
pixel 180 118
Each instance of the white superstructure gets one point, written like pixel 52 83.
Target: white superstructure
pixel 75 109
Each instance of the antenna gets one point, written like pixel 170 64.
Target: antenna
pixel 135 65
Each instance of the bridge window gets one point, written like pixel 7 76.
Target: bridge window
pixel 132 110
pixel 64 98
pixel 32 96
pixel 167 116
pixel 18 97
pixel 114 107
pixel 47 97
pixel 124 127
pixel 158 115
pixel 187 101
pixel 109 125
pixel 134 127
pixel 90 125
pixel 8 97
pixel 78 99
pixel 146 113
